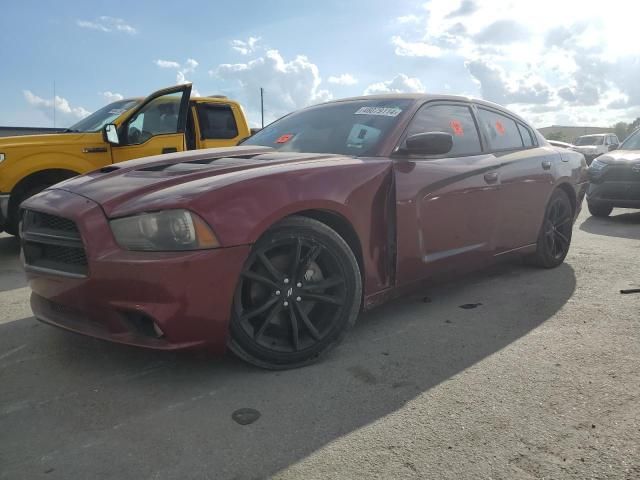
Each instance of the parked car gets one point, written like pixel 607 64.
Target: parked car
pixel 592 146
pixel 273 247
pixel 615 179
pixel 166 121
pixel 558 143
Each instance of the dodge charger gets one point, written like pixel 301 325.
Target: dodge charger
pixel 272 248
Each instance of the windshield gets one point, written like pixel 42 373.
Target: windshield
pixel 347 128
pixel 103 116
pixel 590 141
pixel 631 143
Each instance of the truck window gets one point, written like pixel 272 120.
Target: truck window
pixel 216 122
pixel 158 117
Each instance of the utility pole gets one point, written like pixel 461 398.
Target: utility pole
pixel 262 105
pixel 54 104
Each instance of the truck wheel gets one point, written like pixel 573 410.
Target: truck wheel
pixel 297 296
pixel 14 208
pixel 599 210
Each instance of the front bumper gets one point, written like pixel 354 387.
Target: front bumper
pixel 4 210
pixel 618 194
pixel 187 295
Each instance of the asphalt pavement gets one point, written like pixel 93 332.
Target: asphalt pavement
pixel 541 379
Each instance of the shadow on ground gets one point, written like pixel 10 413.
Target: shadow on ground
pixel 73 407
pixel 622 225
pixel 11 271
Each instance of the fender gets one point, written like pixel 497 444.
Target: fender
pixel 357 193
pixel 23 167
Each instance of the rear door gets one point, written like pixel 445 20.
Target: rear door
pixel 219 124
pixel 157 126
pixel 526 176
pixel 447 205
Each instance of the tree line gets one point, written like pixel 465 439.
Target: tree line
pixel 624 129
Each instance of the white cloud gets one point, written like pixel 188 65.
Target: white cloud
pixel 65 113
pixel 411 18
pixel 166 63
pixel 91 25
pixel 288 85
pixel 344 79
pixel 415 49
pixel 498 87
pixel 111 96
pixel 573 60
pixel 189 66
pixel 401 83
pixel 107 24
pixel 245 47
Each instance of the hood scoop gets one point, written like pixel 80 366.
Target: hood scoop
pixel 222 162
pixel 201 164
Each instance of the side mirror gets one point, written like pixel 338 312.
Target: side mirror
pixel 430 143
pixel 110 134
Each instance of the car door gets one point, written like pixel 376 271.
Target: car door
pixel 526 176
pixel 218 124
pixel 157 126
pixel 446 205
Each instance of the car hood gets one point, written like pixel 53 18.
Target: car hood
pixel 48 140
pixel 620 157
pixel 142 184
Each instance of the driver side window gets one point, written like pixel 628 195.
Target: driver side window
pixel 454 119
pixel 158 117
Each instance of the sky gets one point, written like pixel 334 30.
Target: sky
pixel 553 62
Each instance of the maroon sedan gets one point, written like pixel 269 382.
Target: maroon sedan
pixel 273 247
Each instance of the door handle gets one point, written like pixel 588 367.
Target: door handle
pixel 169 150
pixel 491 177
pixel 546 165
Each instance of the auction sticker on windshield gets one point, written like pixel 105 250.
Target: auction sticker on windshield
pixel 382 111
pixel 284 138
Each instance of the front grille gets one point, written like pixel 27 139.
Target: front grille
pixel 53 243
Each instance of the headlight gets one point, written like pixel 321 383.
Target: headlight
pixel 1 157
pixel 169 230
pixel 597 165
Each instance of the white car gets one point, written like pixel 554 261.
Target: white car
pixel 592 146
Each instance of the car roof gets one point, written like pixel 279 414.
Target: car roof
pixel 596 135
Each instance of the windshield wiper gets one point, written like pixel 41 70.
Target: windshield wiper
pixel 70 130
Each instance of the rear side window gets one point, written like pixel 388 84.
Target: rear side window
pixel 525 133
pixel 216 122
pixel 502 130
pixel 454 119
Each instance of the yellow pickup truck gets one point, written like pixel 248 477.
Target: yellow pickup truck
pixel 168 120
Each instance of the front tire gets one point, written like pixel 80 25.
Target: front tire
pixel 13 223
pixel 299 292
pixel 554 238
pixel 599 210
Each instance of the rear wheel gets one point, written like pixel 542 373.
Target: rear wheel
pixel 599 210
pixel 299 292
pixel 555 235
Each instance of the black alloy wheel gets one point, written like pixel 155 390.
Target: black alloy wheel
pixel 554 239
pixel 299 292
